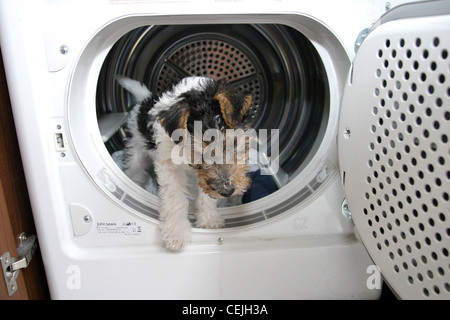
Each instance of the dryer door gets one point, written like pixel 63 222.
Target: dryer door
pixel 394 150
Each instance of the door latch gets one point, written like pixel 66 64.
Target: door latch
pixel 11 266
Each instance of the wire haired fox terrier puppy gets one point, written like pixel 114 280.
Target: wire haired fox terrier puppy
pixel 163 127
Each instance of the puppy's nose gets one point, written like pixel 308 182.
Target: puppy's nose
pixel 226 193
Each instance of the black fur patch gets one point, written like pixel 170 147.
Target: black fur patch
pixel 171 119
pixel 144 122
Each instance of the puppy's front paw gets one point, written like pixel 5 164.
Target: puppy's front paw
pixel 175 233
pixel 210 220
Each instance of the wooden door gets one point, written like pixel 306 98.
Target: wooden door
pixel 15 209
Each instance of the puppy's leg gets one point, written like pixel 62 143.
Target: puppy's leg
pixel 174 206
pixel 207 215
pixel 137 160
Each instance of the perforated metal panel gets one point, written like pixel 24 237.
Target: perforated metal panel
pixel 394 153
pixel 213 58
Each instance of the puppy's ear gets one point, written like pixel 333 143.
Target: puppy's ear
pixel 233 108
pixel 175 118
pixel 247 120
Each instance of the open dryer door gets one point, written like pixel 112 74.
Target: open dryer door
pixel 394 153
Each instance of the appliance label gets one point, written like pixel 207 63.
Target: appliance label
pixel 123 228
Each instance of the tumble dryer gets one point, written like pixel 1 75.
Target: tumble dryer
pixel 99 231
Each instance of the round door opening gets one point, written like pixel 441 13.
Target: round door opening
pixel 275 63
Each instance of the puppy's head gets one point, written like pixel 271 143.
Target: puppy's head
pixel 218 155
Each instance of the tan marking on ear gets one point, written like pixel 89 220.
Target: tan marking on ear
pixel 182 124
pixel 247 104
pixel 226 108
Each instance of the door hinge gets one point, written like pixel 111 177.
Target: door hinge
pixel 11 266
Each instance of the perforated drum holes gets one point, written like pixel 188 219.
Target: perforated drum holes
pixel 212 58
pixel 407 199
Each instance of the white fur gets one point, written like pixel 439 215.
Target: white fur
pixel 174 205
pixel 207 216
pixel 168 98
pixel 139 90
pixel 136 159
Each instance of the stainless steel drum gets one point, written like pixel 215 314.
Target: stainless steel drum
pixel 277 64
